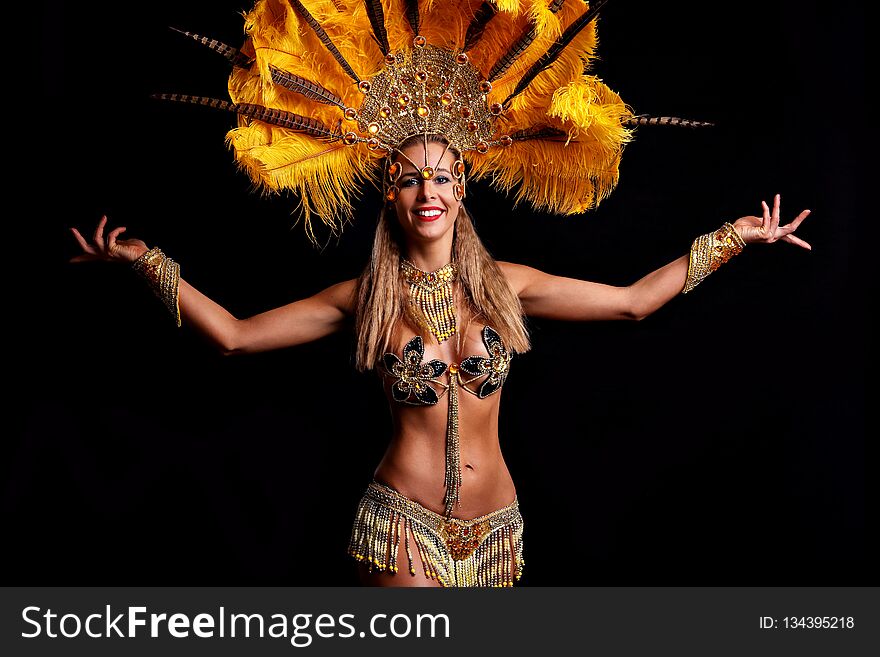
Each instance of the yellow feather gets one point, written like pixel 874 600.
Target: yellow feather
pixel 509 6
pixel 278 160
pixel 588 103
pixel 545 21
pixel 550 175
pixel 443 27
pixel 569 175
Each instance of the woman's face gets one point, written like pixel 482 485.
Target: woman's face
pixel 426 209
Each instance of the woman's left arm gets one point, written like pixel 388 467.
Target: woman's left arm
pixel 557 297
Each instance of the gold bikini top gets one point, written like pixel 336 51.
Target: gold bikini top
pixel 417 383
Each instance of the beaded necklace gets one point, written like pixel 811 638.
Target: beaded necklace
pixel 431 297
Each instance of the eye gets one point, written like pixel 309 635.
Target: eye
pixel 441 179
pixel 409 182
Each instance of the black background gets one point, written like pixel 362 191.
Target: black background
pixel 719 441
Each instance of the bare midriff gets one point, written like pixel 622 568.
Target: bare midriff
pixel 415 461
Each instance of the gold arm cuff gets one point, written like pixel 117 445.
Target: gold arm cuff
pixel 709 252
pixel 163 276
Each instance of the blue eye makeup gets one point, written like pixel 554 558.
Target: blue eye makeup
pixel 439 179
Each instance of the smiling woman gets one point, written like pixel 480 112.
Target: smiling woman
pixel 434 314
pixel 427 207
pixel 431 275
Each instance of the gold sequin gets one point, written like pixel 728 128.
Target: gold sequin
pixel 163 276
pixel 709 252
pixel 430 296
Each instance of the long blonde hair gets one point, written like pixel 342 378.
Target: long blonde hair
pixel 382 298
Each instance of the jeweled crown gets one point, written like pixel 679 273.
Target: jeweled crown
pixel 426 91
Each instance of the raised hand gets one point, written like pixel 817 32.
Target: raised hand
pixel 109 248
pixel 766 229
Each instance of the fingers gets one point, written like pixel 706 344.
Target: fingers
pixel 100 247
pixel 82 242
pixel 98 237
pixel 765 225
pixel 790 228
pixel 774 217
pixel 803 215
pixel 797 241
pixel 770 224
pixel 111 238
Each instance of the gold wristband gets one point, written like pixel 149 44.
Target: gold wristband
pixel 709 252
pixel 163 276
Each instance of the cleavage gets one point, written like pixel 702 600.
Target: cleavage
pixel 446 350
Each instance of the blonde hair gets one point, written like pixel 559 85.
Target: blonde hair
pixel 382 299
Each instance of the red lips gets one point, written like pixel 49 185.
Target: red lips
pixel 427 207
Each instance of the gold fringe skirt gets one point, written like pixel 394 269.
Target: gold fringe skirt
pixel 485 551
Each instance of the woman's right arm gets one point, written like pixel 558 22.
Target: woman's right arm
pixel 296 323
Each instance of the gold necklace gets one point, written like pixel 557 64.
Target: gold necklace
pixel 430 296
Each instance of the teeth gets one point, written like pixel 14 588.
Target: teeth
pixel 428 213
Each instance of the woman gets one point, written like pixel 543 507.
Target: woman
pixel 443 508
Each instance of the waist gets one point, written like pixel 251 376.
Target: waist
pixel 416 468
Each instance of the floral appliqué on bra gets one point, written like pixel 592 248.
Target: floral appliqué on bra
pixel 415 381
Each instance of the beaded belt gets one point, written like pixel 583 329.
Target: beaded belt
pixel 484 551
pixel 462 537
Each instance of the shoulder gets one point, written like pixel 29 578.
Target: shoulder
pixel 519 276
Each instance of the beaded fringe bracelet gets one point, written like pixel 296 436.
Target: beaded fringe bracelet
pixel 163 276
pixel 709 252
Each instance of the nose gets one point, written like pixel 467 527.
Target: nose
pixel 426 190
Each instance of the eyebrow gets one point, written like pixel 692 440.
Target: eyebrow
pixel 415 174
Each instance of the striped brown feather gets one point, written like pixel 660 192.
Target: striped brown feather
pixel 305 87
pixel 325 39
pixel 485 12
pixel 538 133
pixel 519 46
pixel 644 119
pixel 277 117
pixel 412 15
pixel 235 56
pixel 377 20
pixel 546 60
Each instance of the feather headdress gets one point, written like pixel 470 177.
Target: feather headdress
pixel 327 90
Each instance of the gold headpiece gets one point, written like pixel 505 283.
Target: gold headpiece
pixel 431 91
pixel 503 82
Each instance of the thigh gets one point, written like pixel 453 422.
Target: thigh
pixel 402 577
